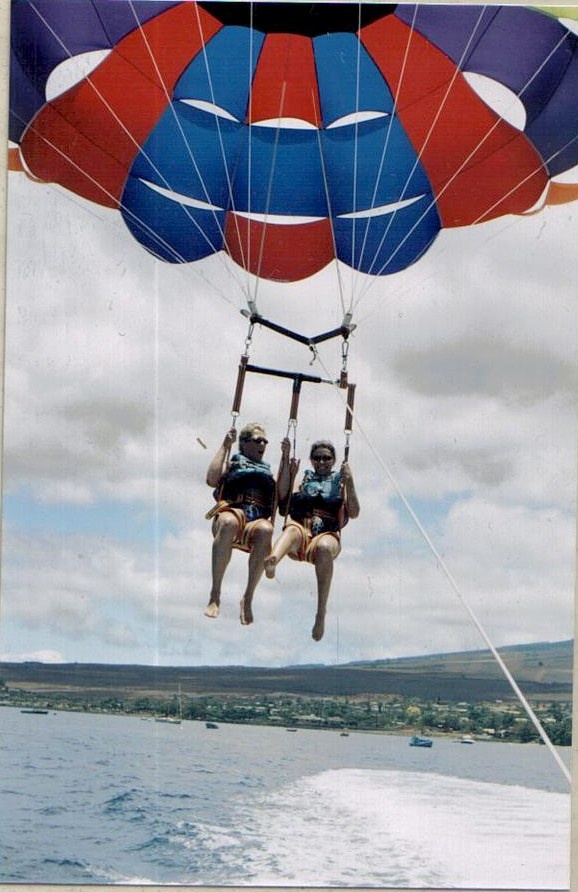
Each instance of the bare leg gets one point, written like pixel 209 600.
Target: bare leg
pixel 327 551
pixel 261 545
pixel 288 541
pixel 226 529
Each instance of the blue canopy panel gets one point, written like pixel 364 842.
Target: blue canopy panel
pixel 389 243
pixel 189 156
pixel 192 153
pixel 374 174
pixel 371 164
pixel 279 171
pixel 221 74
pixel 172 231
pixel 356 85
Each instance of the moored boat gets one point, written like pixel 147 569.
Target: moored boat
pixel 416 740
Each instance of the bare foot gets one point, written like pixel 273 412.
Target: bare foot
pixel 246 613
pixel 318 628
pixel 212 610
pixel 270 565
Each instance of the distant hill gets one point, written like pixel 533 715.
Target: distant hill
pixel 546 662
pixel 542 671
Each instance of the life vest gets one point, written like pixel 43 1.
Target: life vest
pixel 248 485
pixel 319 502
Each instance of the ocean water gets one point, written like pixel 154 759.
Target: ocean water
pixel 118 800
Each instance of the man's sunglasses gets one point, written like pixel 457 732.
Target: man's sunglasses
pixel 259 440
pixel 322 457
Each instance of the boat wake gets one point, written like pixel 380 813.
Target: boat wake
pixel 390 828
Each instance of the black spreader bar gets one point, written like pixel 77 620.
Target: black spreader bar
pixel 295 376
pixel 343 331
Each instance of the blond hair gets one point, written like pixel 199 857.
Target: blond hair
pixel 250 429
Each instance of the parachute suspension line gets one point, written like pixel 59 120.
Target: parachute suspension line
pixel 456 73
pixel 269 191
pixel 272 171
pixel 105 191
pixel 181 263
pixel 153 234
pixel 244 288
pixel 384 152
pixel 249 116
pixel 354 197
pixel 330 212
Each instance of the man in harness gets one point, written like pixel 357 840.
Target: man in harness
pixel 323 504
pixel 245 491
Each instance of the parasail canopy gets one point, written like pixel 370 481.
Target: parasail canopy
pixel 290 134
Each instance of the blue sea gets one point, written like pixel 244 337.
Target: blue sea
pixel 98 799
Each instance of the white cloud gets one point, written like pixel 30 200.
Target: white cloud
pixel 117 365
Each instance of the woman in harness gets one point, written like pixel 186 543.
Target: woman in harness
pixel 324 502
pixel 245 491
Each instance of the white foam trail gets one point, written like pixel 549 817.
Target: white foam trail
pixel 390 828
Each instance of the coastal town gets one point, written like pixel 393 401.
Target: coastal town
pixel 500 720
pixel 454 695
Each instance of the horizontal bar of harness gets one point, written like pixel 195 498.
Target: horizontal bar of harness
pixel 295 376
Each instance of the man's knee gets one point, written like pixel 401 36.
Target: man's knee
pixel 227 526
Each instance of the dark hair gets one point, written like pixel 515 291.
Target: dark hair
pixel 322 444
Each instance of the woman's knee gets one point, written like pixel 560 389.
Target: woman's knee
pixel 326 551
pixel 262 531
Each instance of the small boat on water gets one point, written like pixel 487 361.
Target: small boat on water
pixel 466 739
pixel 416 740
pixel 293 730
pixel 34 711
pixel 211 725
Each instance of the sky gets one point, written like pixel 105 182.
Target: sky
pixel 120 373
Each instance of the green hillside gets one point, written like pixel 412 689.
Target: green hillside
pixel 542 670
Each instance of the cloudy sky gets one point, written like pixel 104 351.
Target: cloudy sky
pixel 120 373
